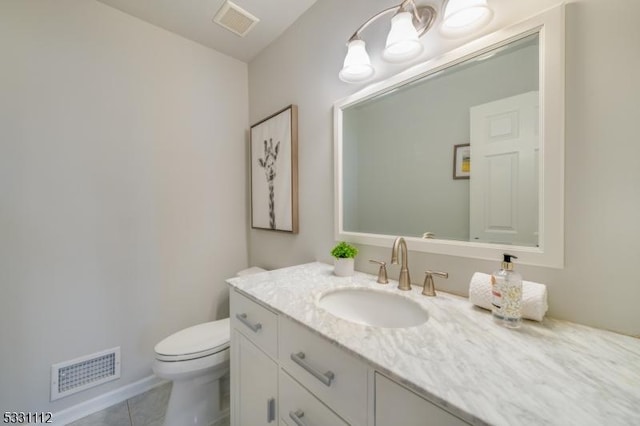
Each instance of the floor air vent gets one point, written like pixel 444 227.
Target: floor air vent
pixel 83 373
pixel 235 19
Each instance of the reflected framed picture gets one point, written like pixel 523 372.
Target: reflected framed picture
pixel 462 161
pixel 274 172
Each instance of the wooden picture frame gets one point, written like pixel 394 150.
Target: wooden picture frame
pixel 462 161
pixel 274 172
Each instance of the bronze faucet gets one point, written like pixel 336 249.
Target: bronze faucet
pixel 404 280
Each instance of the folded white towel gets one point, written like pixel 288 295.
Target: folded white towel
pixel 534 296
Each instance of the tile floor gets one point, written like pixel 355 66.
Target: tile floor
pixel 146 409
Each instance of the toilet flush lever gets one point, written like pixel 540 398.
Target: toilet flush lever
pixel 253 327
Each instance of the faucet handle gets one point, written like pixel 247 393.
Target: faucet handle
pixel 382 272
pixel 428 288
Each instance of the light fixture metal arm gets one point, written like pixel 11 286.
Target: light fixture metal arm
pixel 423 18
pixel 356 34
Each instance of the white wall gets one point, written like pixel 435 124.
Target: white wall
pixel 122 190
pixel 599 285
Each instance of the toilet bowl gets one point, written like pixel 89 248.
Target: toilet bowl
pixel 194 359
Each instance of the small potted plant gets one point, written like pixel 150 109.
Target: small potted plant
pixel 343 254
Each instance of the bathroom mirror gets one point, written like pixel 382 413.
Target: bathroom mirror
pixel 462 155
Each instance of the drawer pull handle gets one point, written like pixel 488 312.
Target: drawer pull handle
pixel 325 378
pixel 296 417
pixel 243 319
pixel 271 410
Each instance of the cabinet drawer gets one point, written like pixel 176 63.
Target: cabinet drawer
pixel 256 322
pixel 397 405
pixel 331 374
pixel 299 407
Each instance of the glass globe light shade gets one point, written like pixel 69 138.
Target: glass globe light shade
pixel 357 65
pixel 403 43
pixel 461 16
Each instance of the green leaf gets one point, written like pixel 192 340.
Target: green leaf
pixel 344 250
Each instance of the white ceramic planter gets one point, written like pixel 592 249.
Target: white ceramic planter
pixel 343 267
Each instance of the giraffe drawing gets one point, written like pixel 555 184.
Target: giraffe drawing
pixel 268 163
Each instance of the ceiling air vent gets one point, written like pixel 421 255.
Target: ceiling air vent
pixel 235 19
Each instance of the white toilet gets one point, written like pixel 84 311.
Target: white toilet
pixel 195 359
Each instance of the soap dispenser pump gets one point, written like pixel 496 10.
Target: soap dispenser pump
pixel 506 294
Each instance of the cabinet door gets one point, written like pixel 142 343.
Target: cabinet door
pixel 254 379
pixel 397 405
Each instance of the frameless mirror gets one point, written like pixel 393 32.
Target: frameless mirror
pixel 462 155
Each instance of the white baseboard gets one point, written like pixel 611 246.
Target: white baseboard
pixel 71 414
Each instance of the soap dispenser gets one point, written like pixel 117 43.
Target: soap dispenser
pixel 506 294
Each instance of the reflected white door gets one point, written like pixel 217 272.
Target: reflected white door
pixel 504 171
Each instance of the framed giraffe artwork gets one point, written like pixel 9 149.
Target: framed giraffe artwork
pixel 274 172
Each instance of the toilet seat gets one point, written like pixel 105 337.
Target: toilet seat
pixel 195 342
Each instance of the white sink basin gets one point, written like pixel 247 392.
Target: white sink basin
pixel 375 308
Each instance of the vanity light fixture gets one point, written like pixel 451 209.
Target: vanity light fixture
pixel 403 42
pixel 408 24
pixel 463 16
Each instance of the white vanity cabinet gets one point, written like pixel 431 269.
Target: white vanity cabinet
pixel 299 407
pixel 283 373
pixel 397 405
pixel 256 382
pixel 254 372
pixel 331 374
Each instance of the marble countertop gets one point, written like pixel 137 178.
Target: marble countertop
pixel 551 373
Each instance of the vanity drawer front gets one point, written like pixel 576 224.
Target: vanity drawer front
pixel 397 405
pixel 298 406
pixel 331 374
pixel 256 322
